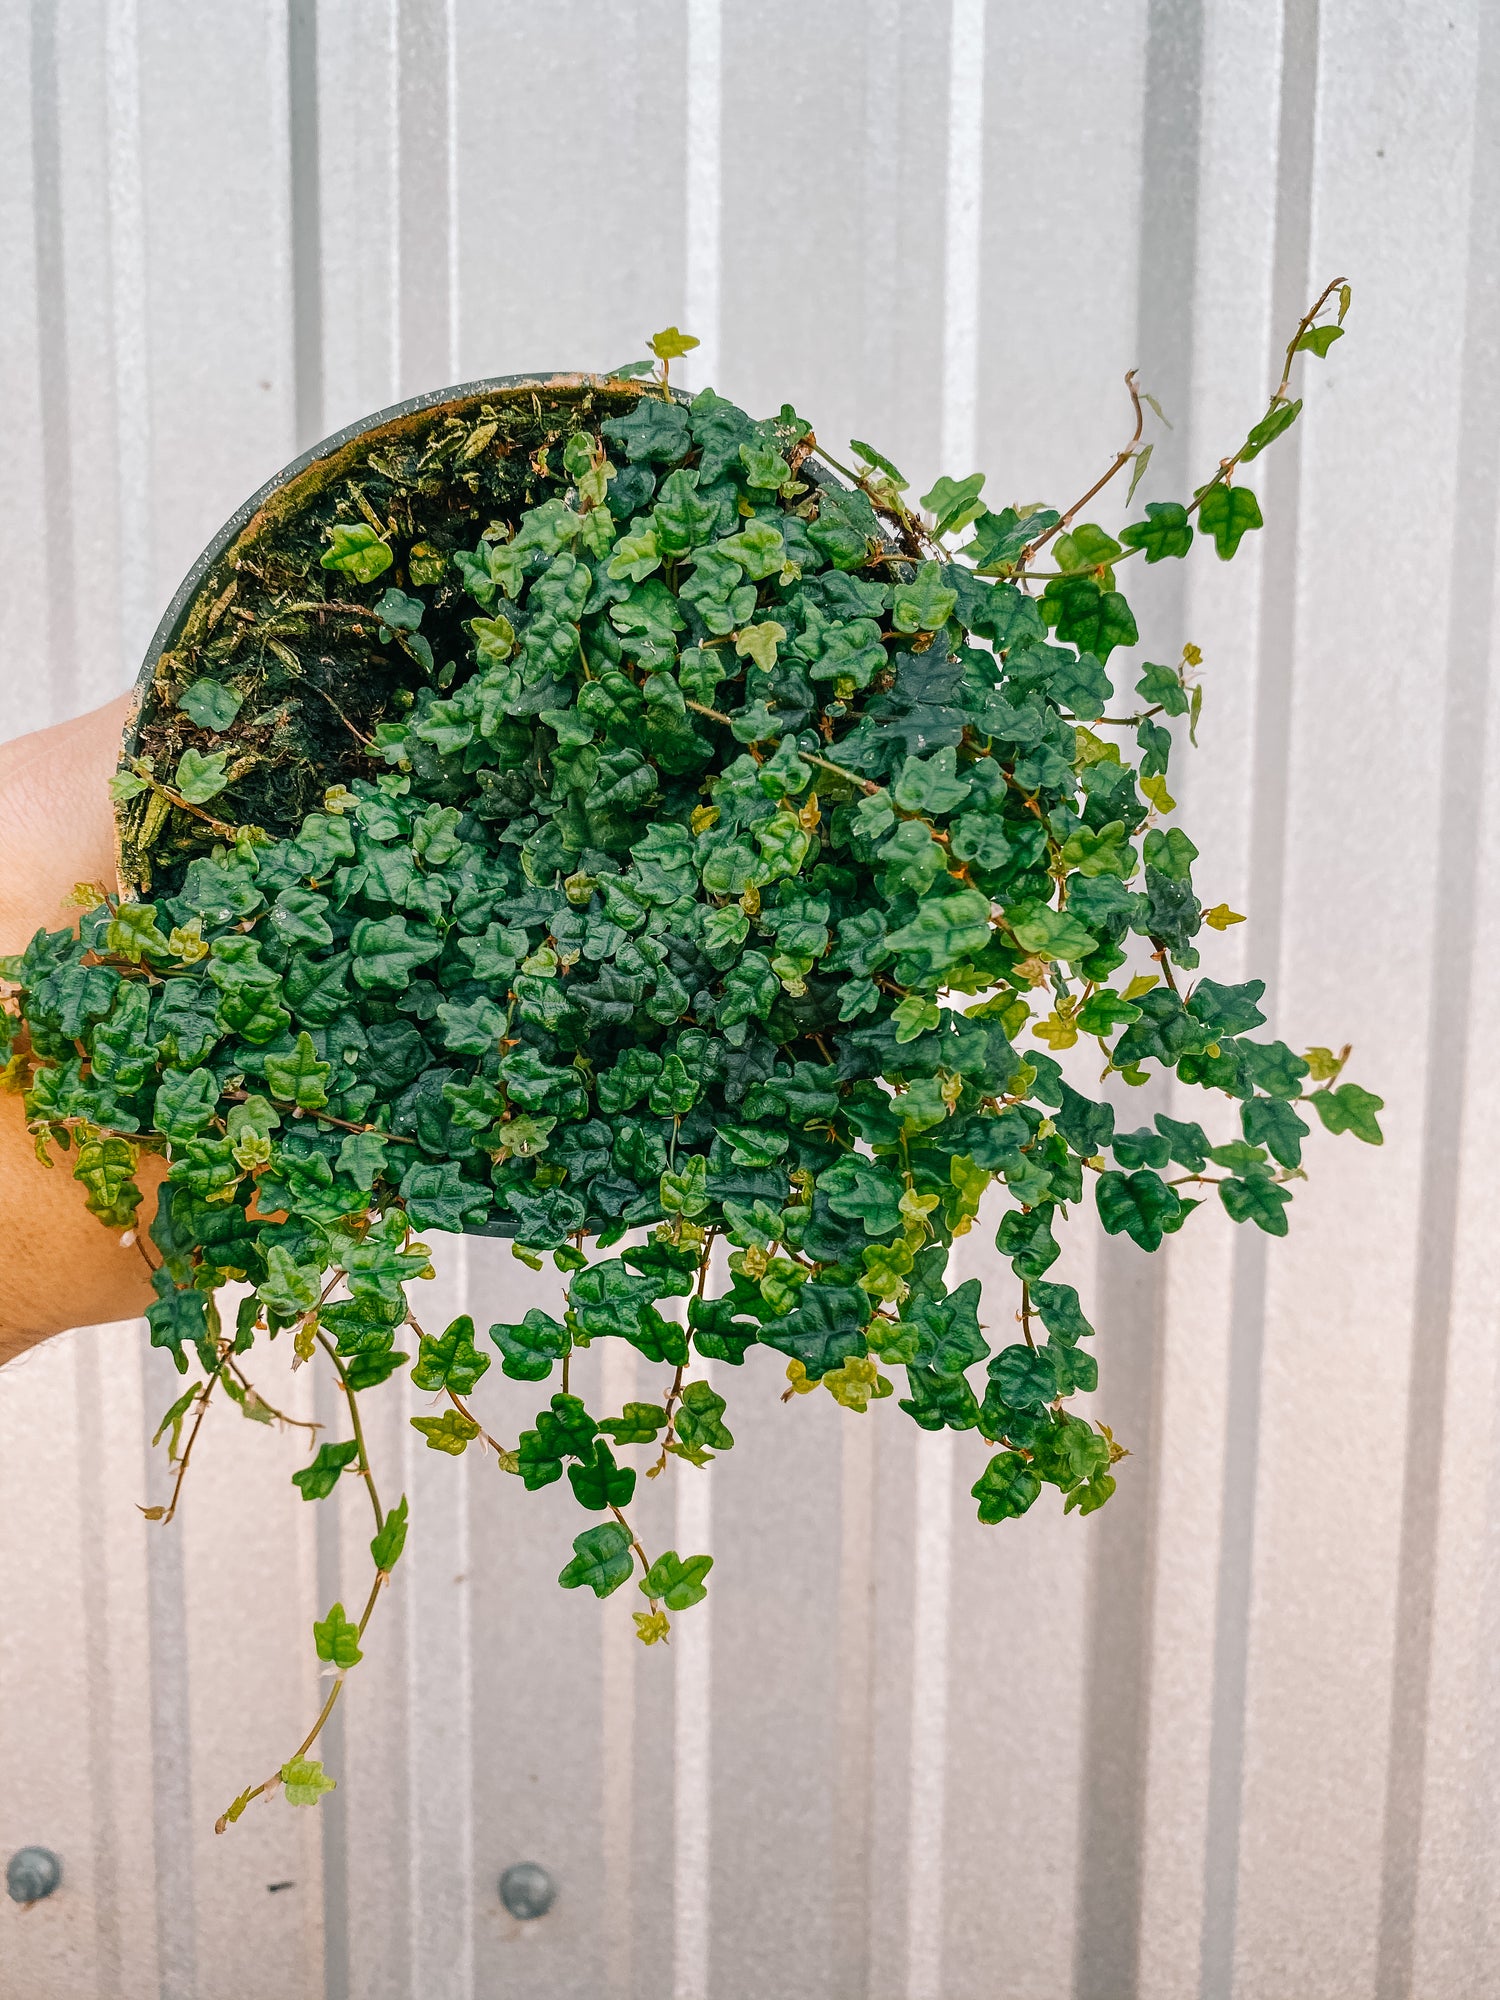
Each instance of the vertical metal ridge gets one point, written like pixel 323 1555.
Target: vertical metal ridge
pixel 96 1639
pixel 692 1777
pixel 692 1798
pixel 394 235
pixel 854 1777
pixel 703 189
pixel 617 1729
pixel 1117 1700
pixel 932 1595
pixel 128 328
pixel 171 1749
pixel 53 391
pixel 333 1812
pixel 450 163
pixel 933 1539
pixel 1470 623
pixel 305 181
pixel 1296 157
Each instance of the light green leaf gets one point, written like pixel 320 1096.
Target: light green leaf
pixel 358 551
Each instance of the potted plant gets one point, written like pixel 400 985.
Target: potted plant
pixel 570 811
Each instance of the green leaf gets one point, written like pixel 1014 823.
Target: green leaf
pixel 299 1078
pixel 1089 616
pixel 1228 513
pixel 697 1422
pixel 1028 1241
pixel 597 1482
pixel 1256 1200
pixel 1060 1312
pixel 452 1432
pixel 438 1197
pixel 1350 1109
pixel 450 1360
pixel 337 1639
pixel 1006 1488
pixel 930 784
pixel 133 932
pixel 288 1288
pixel 872 457
pixel 764 467
pixel 1166 531
pixel 1140 1206
pixel 1049 933
pixel 638 1424
pixel 210 704
pixel 304 1781
pixel 925 604
pixel 601 1559
pixel 759 643
pixel 948 928
pixel 1000 538
pixel 386 1547
pixel 1318 339
pixel 1280 417
pixel 386 953
pixel 201 778
pixel 686 1192
pixel 358 551
pixel 669 344
pixel 1272 1123
pixel 185 1102
pixel 317 1481
pixel 529 1350
pixel 954 503
pixel 677 1583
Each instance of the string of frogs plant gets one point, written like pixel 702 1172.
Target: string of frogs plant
pixel 765 875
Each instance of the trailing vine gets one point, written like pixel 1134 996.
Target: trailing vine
pixel 718 859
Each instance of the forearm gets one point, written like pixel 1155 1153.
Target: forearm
pixel 62 1268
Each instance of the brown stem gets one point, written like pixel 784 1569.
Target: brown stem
pixel 1121 459
pixel 326 1118
pixel 186 805
pixel 182 1463
pixel 464 1411
pixel 634 1543
pixel 1026 1315
pixel 302 1423
pixel 352 1398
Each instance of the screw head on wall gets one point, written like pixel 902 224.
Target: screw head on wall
pixel 527 1890
pixel 31 1873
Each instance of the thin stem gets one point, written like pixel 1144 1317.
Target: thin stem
pixel 221 1825
pixel 324 1118
pixel 1026 1315
pixel 634 1543
pixel 807 756
pixel 182 1464
pixel 464 1411
pixel 673 1394
pixel 1121 459
pixel 302 1423
pixel 352 1398
pixel 175 798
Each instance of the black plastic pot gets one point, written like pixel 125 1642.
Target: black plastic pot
pixel 301 485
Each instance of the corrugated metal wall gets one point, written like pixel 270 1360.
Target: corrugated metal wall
pixel 1236 1735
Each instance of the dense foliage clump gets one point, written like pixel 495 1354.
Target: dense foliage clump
pixel 753 861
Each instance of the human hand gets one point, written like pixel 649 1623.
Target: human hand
pixel 62 1268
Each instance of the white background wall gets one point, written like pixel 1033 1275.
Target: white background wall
pixel 1236 1735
